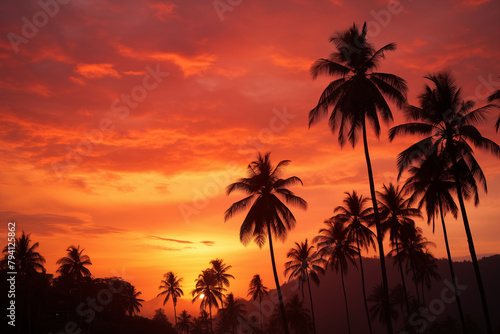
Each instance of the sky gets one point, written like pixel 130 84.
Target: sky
pixel 122 122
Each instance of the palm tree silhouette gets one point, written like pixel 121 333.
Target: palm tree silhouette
pixel 357 96
pixel 337 248
pixel 220 269
pixel 298 315
pixel 449 124
pixel 426 271
pixel 232 312
pixel 495 97
pixel 305 263
pixel 267 215
pixel 208 291
pixel 132 303
pixel 256 289
pixel 396 217
pixel 171 287
pixel 413 246
pixel 356 218
pixel 432 182
pixel 27 260
pixel 377 309
pixel 183 323
pixel 74 265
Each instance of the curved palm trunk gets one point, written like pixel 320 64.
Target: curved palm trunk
pixel 385 283
pixel 345 300
pixel 312 306
pixel 276 279
pixel 472 251
pixel 363 285
pixel 452 272
pixel 403 281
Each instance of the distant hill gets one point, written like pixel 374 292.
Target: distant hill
pixel 329 302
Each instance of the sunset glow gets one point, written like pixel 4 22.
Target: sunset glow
pixel 123 122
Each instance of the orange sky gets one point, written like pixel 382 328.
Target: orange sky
pixel 147 196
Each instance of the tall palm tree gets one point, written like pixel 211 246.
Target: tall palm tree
pixel 495 97
pixel 356 218
pixel 305 263
pixel 358 96
pixel 171 287
pixel 26 259
pixel 433 183
pixel 208 291
pixel 232 312
pixel 132 302
pixel 338 250
pixel 267 215
pixel 397 219
pixel 256 289
pixel 183 323
pixel 74 265
pixel 220 269
pixel 448 122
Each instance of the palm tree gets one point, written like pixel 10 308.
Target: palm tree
pixel 357 96
pixel 221 275
pixel 356 218
pixel 231 314
pixel 377 308
pixel 26 259
pixel 183 323
pixel 267 215
pixel 334 245
pixel 256 289
pixel 492 98
pixel 171 287
pixel 208 291
pixel 413 246
pixel 74 265
pixel 433 183
pixel 305 263
pixel 448 122
pixel 396 218
pixel 132 303
pixel 300 320
pixel 426 271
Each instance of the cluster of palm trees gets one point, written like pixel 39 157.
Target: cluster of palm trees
pixel 441 167
pixel 51 301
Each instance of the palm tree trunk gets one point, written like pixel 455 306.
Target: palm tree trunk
pixel 175 318
pixel 412 263
pixel 452 272
pixel 379 233
pixel 211 325
pixel 276 279
pixel 345 300
pixel 403 281
pixel 260 310
pixel 472 251
pixel 312 306
pixel 363 286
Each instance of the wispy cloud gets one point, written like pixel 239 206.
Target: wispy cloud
pixel 169 239
pixel 208 243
